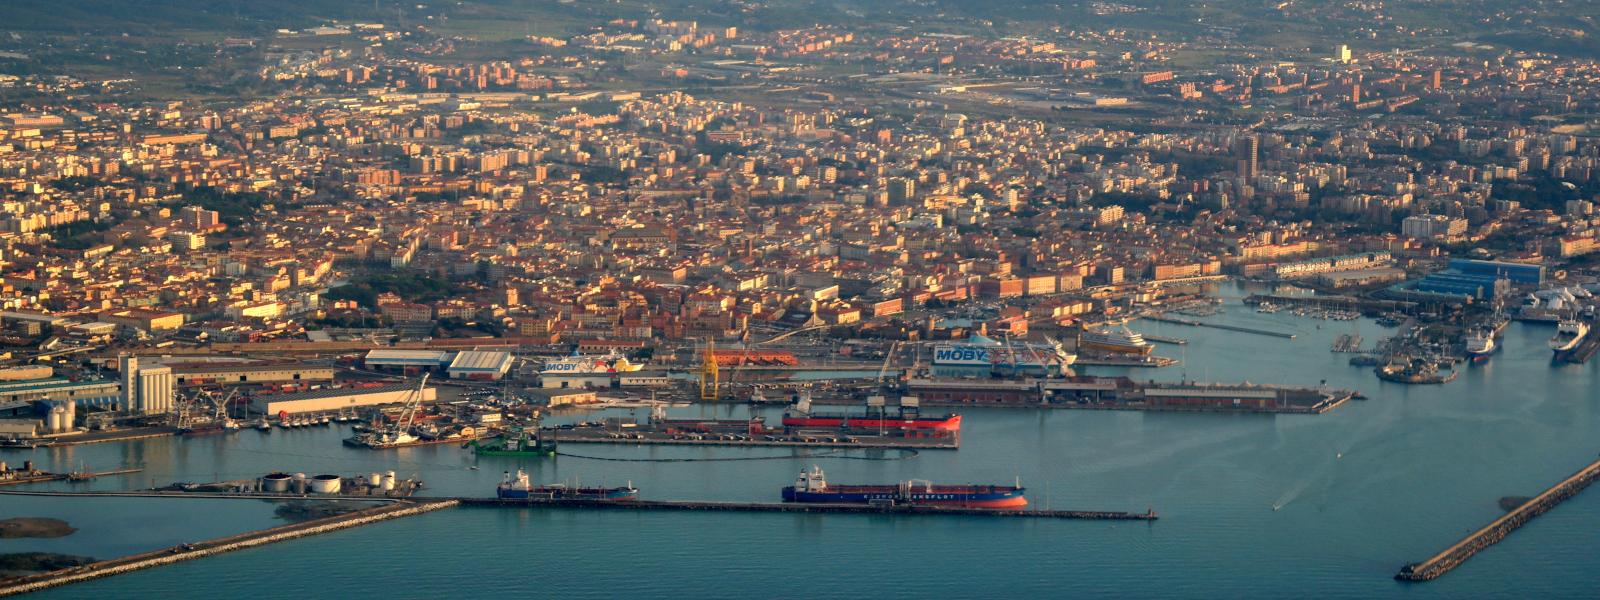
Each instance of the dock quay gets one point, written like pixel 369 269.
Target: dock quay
pixel 1344 302
pixel 1452 557
pixel 41 476
pixel 1141 362
pixel 804 507
pixel 804 439
pixel 1347 342
pixel 165 556
pixel 1123 393
pixel 92 437
pixel 1194 323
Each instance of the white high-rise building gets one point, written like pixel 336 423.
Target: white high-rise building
pixel 127 366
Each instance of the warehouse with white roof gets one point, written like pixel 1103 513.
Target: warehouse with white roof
pixel 479 364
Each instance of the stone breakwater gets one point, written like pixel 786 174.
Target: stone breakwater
pixel 252 539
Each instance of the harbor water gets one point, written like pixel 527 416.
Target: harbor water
pixel 1252 506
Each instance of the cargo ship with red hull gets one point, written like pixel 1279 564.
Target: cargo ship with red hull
pixel 800 415
pixel 811 486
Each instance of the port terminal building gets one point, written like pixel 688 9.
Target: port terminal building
pixel 331 400
pixel 1472 280
pixel 462 364
pixel 91 392
pixel 479 364
pixel 231 373
pixel 563 397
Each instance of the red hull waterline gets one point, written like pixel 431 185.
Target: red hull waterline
pixel 951 423
pixel 1016 502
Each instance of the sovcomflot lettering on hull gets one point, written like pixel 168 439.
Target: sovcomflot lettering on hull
pixel 811 486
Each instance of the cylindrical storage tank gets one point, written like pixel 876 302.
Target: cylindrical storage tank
pixel 72 415
pixel 388 481
pixel 468 431
pixel 275 482
pixel 325 484
pixel 55 423
pixel 375 479
pixel 298 483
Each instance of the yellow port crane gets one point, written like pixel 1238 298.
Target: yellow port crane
pixel 709 386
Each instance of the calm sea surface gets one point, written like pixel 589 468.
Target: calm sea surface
pixel 1362 490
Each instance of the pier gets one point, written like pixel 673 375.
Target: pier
pixel 805 507
pixel 41 477
pixel 1194 323
pixel 1497 530
pixel 1344 302
pixel 1166 340
pixel 1130 361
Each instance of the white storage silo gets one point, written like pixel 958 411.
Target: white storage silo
pixel 325 484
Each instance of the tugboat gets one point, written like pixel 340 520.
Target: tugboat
pixel 1416 371
pixel 519 443
pixel 811 486
pixel 518 488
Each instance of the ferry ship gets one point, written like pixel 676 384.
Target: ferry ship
pixel 518 488
pixel 1568 335
pixel 812 486
pixel 575 364
pixel 1481 344
pixel 980 355
pixel 1115 338
pixel 800 415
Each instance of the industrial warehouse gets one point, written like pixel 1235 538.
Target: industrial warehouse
pixel 333 400
pixel 465 364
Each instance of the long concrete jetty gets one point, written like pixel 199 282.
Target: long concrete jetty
pixel 1194 323
pixel 165 556
pixel 1497 530
pixel 802 507
pixel 42 477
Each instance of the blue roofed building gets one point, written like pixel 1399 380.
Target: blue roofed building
pixel 1516 272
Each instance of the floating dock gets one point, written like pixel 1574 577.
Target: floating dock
pixel 1497 530
pixel 1581 354
pixel 805 507
pixel 1194 323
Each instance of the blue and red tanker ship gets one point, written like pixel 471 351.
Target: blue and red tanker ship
pixel 811 486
